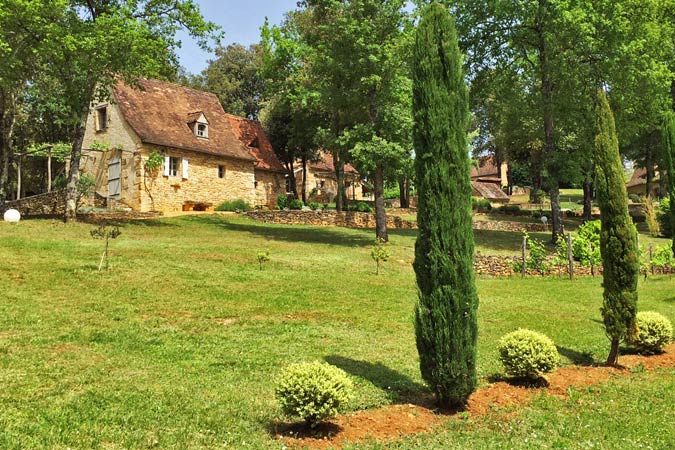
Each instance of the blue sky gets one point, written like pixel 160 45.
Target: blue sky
pixel 240 19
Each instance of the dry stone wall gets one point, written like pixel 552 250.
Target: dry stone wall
pixel 354 219
pixel 49 204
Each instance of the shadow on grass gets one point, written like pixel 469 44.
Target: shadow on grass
pixel 530 383
pixel 399 388
pixel 300 430
pixel 577 357
pixel 294 233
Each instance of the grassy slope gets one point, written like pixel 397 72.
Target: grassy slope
pixel 177 345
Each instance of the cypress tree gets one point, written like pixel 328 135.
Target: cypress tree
pixel 668 134
pixel 445 315
pixel 618 236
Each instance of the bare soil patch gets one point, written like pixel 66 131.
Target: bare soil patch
pixel 395 421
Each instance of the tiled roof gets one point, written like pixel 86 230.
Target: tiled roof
pixel 325 164
pixel 639 177
pixel 251 134
pixel 159 112
pixel 486 168
pixel 489 191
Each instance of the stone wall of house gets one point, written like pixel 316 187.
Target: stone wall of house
pixel 121 141
pixel 326 194
pixel 52 203
pixel 367 220
pixel 202 186
pixel 269 186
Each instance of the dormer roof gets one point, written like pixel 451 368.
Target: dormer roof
pixel 197 117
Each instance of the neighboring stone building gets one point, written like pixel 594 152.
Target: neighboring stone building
pixel 322 183
pixel 637 184
pixel 208 156
pixel 489 180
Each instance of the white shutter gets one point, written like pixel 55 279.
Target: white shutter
pixel 185 168
pixel 167 163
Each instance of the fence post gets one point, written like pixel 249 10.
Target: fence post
pixel 570 259
pixel 651 256
pixel 524 268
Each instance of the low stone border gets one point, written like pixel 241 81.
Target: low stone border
pixel 352 219
pixel 49 204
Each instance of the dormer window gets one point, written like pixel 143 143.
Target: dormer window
pixel 198 124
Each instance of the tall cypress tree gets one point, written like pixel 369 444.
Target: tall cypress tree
pixel 618 236
pixel 445 316
pixel 668 134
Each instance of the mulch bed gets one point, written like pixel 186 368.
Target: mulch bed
pixel 396 421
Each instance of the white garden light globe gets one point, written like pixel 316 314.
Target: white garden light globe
pixel 12 215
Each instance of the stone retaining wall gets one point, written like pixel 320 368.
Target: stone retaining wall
pixel 49 204
pixel 354 219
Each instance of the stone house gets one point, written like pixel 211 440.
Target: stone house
pixel 322 183
pixel 489 179
pixel 637 185
pixel 205 156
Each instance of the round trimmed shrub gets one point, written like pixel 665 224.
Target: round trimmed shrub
pixel 313 391
pixel 654 331
pixel 527 354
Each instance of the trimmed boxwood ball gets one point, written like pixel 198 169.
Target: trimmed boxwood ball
pixel 527 354
pixel 313 391
pixel 654 331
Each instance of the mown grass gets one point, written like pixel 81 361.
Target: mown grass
pixel 177 346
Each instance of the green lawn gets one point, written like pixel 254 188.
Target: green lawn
pixel 177 346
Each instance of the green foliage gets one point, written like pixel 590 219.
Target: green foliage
pixel 154 161
pixel 654 331
pixel 509 209
pixel 380 254
pixel 664 216
pixel 667 219
pixel 360 207
pixel 313 391
pixel 86 184
pixel 282 201
pixel 234 205
pixel 105 233
pixel 262 258
pixel 480 204
pixel 586 244
pixel 527 354
pixel 537 258
pixel 446 328
pixel 295 204
pixel 651 217
pixel 662 257
pixel 618 236
pixel 313 205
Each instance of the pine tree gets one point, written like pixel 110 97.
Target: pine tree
pixel 668 134
pixel 618 236
pixel 445 316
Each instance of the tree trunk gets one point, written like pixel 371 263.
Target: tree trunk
pixel 380 213
pixel 404 192
pixel 7 120
pixel 72 193
pixel 292 182
pixel 613 358
pixel 649 166
pixel 340 177
pixel 18 177
pixel 304 179
pixel 556 221
pixel 49 170
pixel 588 200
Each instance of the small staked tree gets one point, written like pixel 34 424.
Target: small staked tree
pixel 668 136
pixel 618 236
pixel 445 316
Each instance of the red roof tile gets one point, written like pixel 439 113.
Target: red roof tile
pixel 325 164
pixel 251 134
pixel 159 112
pixel 486 168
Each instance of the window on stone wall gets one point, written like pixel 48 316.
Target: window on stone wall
pixel 255 184
pixel 221 171
pixel 101 118
pixel 173 166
